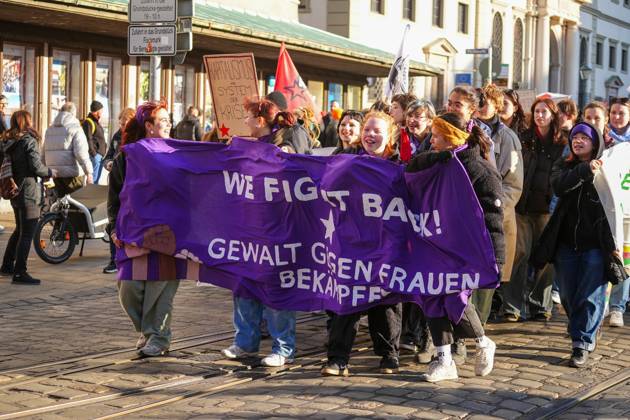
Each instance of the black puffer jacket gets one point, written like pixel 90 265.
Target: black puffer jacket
pixel 539 156
pixel 26 166
pixel 116 181
pixel 486 182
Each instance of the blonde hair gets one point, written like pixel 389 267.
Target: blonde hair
pixel 391 130
pixel 494 94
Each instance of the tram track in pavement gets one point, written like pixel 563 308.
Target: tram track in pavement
pixel 85 363
pixel 567 403
pixel 217 380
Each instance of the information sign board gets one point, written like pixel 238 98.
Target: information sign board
pixel 152 40
pixel 152 11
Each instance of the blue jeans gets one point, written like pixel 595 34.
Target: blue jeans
pixel 582 293
pixel 619 296
pixel 281 324
pixel 97 165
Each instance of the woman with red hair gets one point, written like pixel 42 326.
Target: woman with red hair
pixel 147 279
pixel 543 143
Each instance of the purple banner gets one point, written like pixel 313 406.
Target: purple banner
pixel 306 232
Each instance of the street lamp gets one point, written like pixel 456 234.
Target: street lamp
pixel 585 72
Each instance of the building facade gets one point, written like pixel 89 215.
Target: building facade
pixel 76 50
pixel 604 49
pixel 533 44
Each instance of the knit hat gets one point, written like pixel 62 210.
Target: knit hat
pixel 96 106
pixel 586 129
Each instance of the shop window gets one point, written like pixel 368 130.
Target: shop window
pixel 271 84
pixel 208 109
pixel 409 9
pixel 65 81
pixel 335 93
pixel 183 91
pixel 354 97
pixel 107 90
pixel 143 82
pixel 317 90
pixel 18 78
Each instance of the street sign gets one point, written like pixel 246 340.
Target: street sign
pixel 477 51
pixel 152 40
pixel 152 11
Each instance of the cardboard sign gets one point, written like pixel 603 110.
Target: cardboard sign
pixel 232 78
pixel 526 98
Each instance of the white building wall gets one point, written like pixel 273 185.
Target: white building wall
pixel 608 21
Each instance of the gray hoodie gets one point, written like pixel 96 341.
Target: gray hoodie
pixel 66 148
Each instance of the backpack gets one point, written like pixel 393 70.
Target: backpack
pixel 8 187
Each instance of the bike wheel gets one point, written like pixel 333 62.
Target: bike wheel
pixel 54 238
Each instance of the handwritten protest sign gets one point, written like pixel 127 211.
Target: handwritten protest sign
pixel 232 78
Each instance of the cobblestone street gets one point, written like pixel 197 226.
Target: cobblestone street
pixel 67 352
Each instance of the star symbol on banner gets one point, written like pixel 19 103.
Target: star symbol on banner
pixel 330 226
pixel 224 130
pixel 295 87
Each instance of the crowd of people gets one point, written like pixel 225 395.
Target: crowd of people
pixel 532 171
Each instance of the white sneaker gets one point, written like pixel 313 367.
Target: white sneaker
pixel 616 319
pixel 440 371
pixel 235 352
pixel 555 297
pixel 484 359
pixel 276 360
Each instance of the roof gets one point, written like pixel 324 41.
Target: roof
pixel 297 34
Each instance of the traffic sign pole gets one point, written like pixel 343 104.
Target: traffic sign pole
pixel 155 67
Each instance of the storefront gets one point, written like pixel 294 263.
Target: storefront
pixel 44 62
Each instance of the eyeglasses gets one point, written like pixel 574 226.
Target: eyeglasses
pixel 4 103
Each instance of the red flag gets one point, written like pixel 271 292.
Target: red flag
pixel 291 85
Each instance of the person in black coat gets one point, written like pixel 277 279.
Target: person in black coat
pixel 377 141
pixel 579 241
pixel 449 136
pixel 542 144
pixel 21 144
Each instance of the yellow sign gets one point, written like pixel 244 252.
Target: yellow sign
pixel 232 78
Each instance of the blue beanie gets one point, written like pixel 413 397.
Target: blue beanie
pixel 585 129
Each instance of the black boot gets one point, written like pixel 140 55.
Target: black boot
pixel 24 278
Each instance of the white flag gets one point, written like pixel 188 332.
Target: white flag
pixel 398 79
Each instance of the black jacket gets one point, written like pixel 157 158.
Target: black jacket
pixel 95 136
pixel 328 136
pixel 579 220
pixel 26 164
pixel 3 126
pixel 116 181
pixel 486 182
pixel 538 159
pixel 188 128
pixel 294 138
pixel 114 146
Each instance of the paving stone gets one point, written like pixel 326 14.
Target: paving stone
pixel 355 412
pixel 365 405
pixel 356 395
pixel 516 405
pixel 453 410
pixel 399 410
pixel 446 399
pixel 527 383
pixel 430 415
pixel 67 394
pixel 506 414
pixel 35 388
